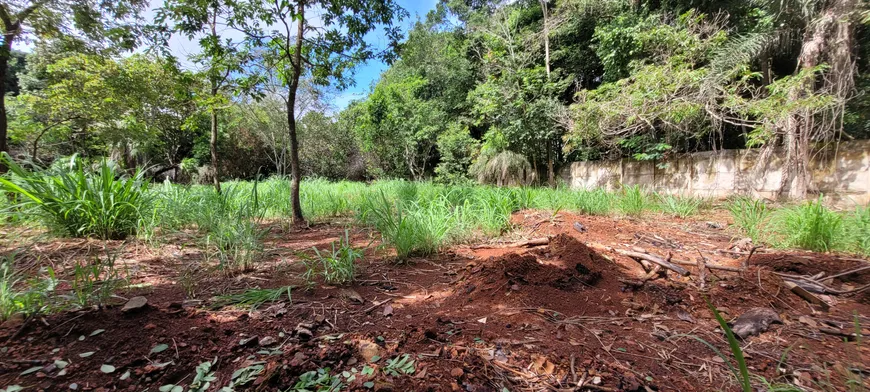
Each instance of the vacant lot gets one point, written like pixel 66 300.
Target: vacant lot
pixel 415 286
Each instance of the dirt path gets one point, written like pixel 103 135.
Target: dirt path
pixel 545 318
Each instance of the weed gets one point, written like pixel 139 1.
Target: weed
pixel 400 365
pixel 81 203
pixel 678 206
pixel 809 226
pixel 411 230
pixel 594 202
pixel 253 298
pixel 317 381
pixel 96 282
pixel 18 295
pixel 857 231
pixel 749 215
pixel 337 266
pixel 632 201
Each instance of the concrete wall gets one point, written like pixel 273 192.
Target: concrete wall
pixel 841 173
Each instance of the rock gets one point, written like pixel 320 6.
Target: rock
pixel 579 227
pixel 388 310
pixel 368 350
pixel 352 295
pixel 457 372
pixel 73 386
pixel 134 304
pixel 268 341
pixel 754 321
pixel 714 225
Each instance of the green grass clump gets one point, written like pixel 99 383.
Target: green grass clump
pixel 81 203
pixel 633 201
pixel 253 298
pixel 594 202
pixel 679 206
pixel 337 266
pixel 749 215
pixel 809 226
pixel 19 295
pixel 412 230
pixel 857 231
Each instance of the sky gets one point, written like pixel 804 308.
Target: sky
pixel 365 74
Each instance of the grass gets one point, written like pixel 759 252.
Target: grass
pixel 80 202
pixel 749 215
pixel 336 266
pixel 633 201
pixel 809 226
pixel 253 298
pixel 19 295
pixel 679 206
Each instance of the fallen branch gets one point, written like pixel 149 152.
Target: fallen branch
pixel 376 305
pixel 521 244
pixel 654 259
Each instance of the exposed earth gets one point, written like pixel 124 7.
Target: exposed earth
pixel 562 316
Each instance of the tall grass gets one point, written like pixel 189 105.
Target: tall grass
pixel 594 202
pixel 809 226
pixel 633 201
pixel 336 266
pixel 410 229
pixel 679 206
pixel 749 215
pixel 79 202
pixel 857 231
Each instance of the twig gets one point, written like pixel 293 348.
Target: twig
pixel 376 305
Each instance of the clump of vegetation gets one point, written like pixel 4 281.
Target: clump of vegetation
pixel 253 298
pixel 594 202
pixel 94 283
pixel 749 215
pixel 679 206
pixel 809 226
pixel 857 231
pixel 19 295
pixel 411 230
pixel 104 203
pixel 633 201
pixel 337 266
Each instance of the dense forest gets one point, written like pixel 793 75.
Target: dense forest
pixel 477 90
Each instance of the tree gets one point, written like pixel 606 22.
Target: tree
pixel 92 23
pixel 220 58
pixel 328 51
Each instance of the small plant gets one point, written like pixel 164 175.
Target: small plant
pixel 27 297
pixel 857 231
pixel 678 206
pixel 317 381
pixel 253 298
pixel 102 204
pixel 337 266
pixel 400 365
pixel 809 226
pixel 749 215
pixel 632 201
pixel 96 282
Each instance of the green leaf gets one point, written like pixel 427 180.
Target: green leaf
pixel 375 358
pixel 97 332
pixel 107 368
pixel 369 384
pixel 87 354
pixel 31 370
pixel 159 348
pixel 60 364
pixel 125 376
pixel 744 379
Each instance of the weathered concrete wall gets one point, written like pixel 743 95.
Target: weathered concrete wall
pixel 842 174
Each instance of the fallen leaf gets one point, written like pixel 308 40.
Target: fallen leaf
pixel 107 368
pixel 159 348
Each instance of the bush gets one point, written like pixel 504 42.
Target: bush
pixel 456 148
pixel 103 204
pixel 809 226
pixel 749 215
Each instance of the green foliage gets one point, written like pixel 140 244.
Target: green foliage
pixel 80 202
pixel 679 206
pixel 411 230
pixel 594 202
pixel 633 201
pixel 337 266
pixel 749 215
pixel 317 381
pixel 19 295
pixel 809 226
pixel 505 168
pixel 94 283
pixel 457 149
pixel 857 231
pixel 400 365
pixel 253 298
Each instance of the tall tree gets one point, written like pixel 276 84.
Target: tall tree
pixel 327 47
pixel 87 22
pixel 220 58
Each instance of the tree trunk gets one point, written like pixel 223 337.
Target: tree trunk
pixel 5 53
pixel 212 144
pixel 551 176
pixel 291 119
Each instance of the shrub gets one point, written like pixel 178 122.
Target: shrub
pixel 337 266
pixel 632 201
pixel 103 204
pixel 809 226
pixel 678 206
pixel 749 215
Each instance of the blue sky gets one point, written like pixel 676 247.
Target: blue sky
pixel 365 74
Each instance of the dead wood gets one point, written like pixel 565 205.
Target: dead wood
pixel 521 244
pixel 654 259
pixel 803 293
